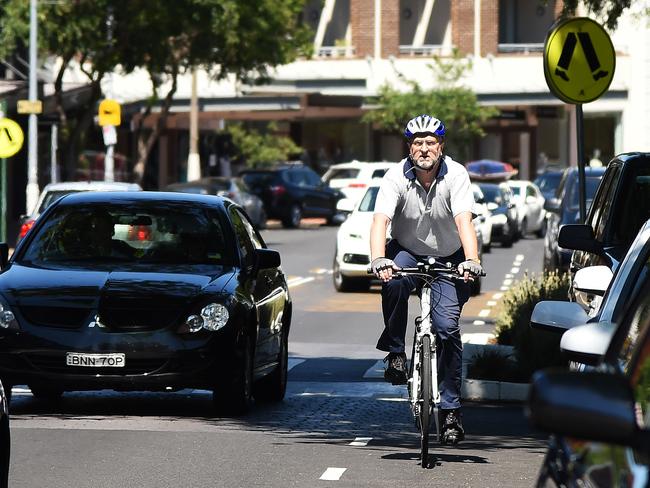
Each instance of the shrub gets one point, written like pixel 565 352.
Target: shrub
pixel 534 349
pixel 492 365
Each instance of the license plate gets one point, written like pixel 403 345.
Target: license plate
pixel 113 360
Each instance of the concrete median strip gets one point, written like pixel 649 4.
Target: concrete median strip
pixel 333 474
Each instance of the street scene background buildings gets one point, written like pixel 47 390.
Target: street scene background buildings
pixel 358 47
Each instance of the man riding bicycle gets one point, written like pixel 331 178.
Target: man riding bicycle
pixel 427 200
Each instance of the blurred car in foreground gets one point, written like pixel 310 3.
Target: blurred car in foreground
pixel 293 191
pixel 564 208
pixel 498 197
pixel 354 178
pixel 5 437
pixel 53 191
pixel 600 419
pixel 192 299
pixel 483 217
pixel 530 207
pixel 233 188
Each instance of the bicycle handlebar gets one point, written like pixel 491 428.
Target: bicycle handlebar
pixel 432 268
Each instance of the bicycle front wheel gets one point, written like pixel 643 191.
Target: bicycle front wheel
pixel 426 397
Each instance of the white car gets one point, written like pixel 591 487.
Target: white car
pixel 354 178
pixel 483 217
pixel 530 207
pixel 352 255
pixel 54 191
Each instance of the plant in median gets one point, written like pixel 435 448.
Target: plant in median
pixel 494 365
pixel 534 349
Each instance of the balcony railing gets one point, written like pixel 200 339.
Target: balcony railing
pixel 335 51
pixel 426 50
pixel 521 48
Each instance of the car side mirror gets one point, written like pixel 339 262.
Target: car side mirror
pixel 578 237
pixel 4 255
pixel 557 316
pixel 591 406
pixel 593 279
pixel 345 205
pixel 587 343
pixel 552 205
pixel 266 259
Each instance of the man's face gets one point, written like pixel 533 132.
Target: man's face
pixel 426 150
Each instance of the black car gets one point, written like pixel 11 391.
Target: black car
pixel 564 208
pixel 498 197
pixel 548 181
pixel 5 437
pixel 233 188
pixel 293 191
pixel 145 291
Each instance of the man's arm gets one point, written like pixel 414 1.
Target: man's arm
pixel 378 245
pixel 468 239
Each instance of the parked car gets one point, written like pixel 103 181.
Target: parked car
pixel 530 207
pixel 233 188
pixel 620 207
pixel 5 437
pixel 503 212
pixel 599 418
pixel 199 302
pixel 564 208
pixel 483 217
pixel 293 191
pixel 355 177
pixel 53 191
pixel 548 181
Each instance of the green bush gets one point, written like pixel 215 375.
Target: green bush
pixel 492 365
pixel 534 349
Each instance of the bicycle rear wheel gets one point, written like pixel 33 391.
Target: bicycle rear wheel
pixel 426 397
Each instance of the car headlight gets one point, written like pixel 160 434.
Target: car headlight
pixel 7 317
pixel 499 219
pixel 212 317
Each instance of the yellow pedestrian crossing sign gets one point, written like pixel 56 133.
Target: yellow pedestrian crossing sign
pixel 11 138
pixel 579 60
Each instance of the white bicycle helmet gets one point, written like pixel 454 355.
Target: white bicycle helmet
pixel 424 124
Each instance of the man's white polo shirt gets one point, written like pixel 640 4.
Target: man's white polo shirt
pixel 423 222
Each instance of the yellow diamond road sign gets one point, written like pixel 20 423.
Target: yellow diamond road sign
pixel 11 138
pixel 109 112
pixel 579 60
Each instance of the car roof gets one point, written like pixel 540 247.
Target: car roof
pixel 82 198
pixel 362 164
pixel 92 186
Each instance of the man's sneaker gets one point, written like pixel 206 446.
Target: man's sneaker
pixel 396 371
pixel 451 430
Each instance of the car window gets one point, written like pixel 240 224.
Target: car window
pixel 52 196
pixel 378 173
pixel 530 191
pixel 341 173
pixel 311 177
pixel 368 201
pixel 516 190
pixel 491 193
pixel 573 196
pixel 632 206
pixel 258 181
pixel 548 181
pixel 603 201
pixel 256 239
pixel 244 243
pixel 140 233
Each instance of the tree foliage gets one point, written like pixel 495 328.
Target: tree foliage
pixel 455 105
pixel 258 149
pixel 225 37
pixel 611 10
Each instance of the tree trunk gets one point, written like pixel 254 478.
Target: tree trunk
pixel 147 142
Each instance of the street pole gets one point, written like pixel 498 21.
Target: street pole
pixel 54 145
pixel 32 190
pixel 581 163
pixel 194 159
pixel 109 160
pixel 3 177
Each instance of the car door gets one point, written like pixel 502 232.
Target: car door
pixel 321 197
pixel 535 203
pixel 268 292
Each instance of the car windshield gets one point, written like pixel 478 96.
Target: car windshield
pixel 153 232
pixel 368 201
pixel 548 182
pixel 491 193
pixel 342 173
pixel 591 184
pixel 52 196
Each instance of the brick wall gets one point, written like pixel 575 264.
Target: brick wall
pixel 462 25
pixel 362 23
pixel 389 28
pixel 489 27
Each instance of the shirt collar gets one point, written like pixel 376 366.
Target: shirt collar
pixel 409 169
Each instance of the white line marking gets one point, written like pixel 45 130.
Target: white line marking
pixel 484 313
pixel 361 441
pixel 504 288
pixel 519 257
pixel 477 338
pixel 496 296
pixel 293 362
pixel 509 275
pixel 515 270
pixel 332 474
pixel 478 322
pixel 507 282
pixel 320 271
pixel 491 303
pixel 299 281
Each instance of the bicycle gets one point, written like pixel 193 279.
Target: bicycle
pixel 422 383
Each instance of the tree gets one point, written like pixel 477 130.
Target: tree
pixel 226 37
pixel 260 150
pixel 610 9
pixel 455 105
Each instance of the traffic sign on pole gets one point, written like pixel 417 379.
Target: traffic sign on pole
pixel 579 60
pixel 11 138
pixel 109 112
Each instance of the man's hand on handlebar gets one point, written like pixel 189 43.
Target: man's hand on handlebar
pixel 470 269
pixel 383 268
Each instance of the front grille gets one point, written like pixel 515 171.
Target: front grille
pixel 62 317
pixel 356 258
pixel 137 319
pixel 55 363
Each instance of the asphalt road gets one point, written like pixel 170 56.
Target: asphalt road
pixel 340 424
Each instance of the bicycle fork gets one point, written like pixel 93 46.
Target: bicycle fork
pixel 423 328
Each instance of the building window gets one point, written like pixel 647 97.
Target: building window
pixel 425 27
pixel 523 25
pixel 330 22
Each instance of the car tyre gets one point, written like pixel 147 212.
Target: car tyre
pixel 292 221
pixel 46 393
pixel 524 228
pixel 234 395
pixel 273 387
pixel 345 284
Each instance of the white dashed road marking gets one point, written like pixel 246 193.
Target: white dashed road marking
pixel 297 281
pixel 479 322
pixel 515 270
pixel 361 441
pixel 484 313
pixel 333 474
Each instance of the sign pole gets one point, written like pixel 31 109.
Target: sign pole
pixel 582 187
